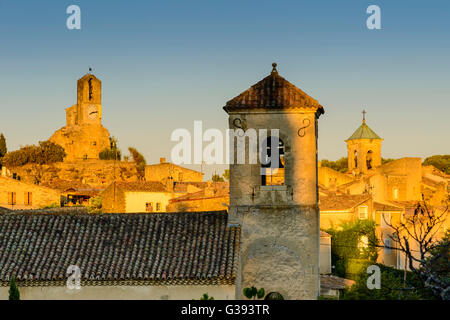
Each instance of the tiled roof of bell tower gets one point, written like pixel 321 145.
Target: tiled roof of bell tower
pixel 273 92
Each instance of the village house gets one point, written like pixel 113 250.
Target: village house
pixel 132 197
pixel 271 222
pixel 163 171
pixel 120 256
pixel 384 193
pixel 18 195
pixel 214 196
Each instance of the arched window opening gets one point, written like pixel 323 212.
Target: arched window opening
pixel 272 172
pixel 90 89
pixel 369 159
pixel 355 159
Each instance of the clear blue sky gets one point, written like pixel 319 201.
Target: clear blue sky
pixel 165 64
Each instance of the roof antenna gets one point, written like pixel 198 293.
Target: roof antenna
pixel 364 116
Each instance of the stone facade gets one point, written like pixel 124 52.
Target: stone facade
pixel 133 197
pixel 164 170
pixel 124 292
pixel 96 173
pixel 280 223
pixel 83 136
pixel 20 195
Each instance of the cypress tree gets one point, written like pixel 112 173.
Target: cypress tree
pixel 14 293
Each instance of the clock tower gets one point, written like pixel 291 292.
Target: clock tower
pixel 84 137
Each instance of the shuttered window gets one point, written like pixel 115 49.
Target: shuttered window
pixel 11 198
pixel 28 198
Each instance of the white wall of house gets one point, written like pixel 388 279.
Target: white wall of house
pixel 325 255
pixel 175 292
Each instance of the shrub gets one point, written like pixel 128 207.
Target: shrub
pixel 95 205
pixel 110 154
pixel 45 153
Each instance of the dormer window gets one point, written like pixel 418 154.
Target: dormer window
pixel 272 175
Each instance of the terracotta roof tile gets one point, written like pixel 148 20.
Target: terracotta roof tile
pixel 273 92
pixel 118 247
pixel 217 190
pixel 386 207
pixel 341 201
pixel 147 186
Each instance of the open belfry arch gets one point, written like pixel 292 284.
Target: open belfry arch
pixel 280 219
pixel 363 149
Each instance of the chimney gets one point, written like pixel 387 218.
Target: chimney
pixel 162 160
pixel 169 184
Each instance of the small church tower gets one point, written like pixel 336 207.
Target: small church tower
pixel 363 149
pixel 277 209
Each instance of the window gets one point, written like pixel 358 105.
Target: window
pixel 395 193
pixel 363 213
pixel 355 159
pixel 149 207
pixel 90 89
pixel 387 245
pixel 158 206
pixel 369 160
pixel 385 219
pixel 272 174
pixel 28 198
pixel 11 198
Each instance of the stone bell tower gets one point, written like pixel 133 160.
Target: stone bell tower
pixel 363 149
pixel 83 137
pixel 277 209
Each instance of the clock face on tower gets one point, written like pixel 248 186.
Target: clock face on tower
pixel 92 112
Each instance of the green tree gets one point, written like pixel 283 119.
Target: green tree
pixel 340 165
pixel 44 153
pixel 226 174
pixel 349 254
pixel 14 293
pixel 216 178
pixel 393 287
pixel 139 159
pixel 111 153
pixel 441 162
pixel 3 148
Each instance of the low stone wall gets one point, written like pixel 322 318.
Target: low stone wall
pixel 172 292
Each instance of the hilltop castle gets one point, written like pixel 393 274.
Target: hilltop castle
pixel 83 136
